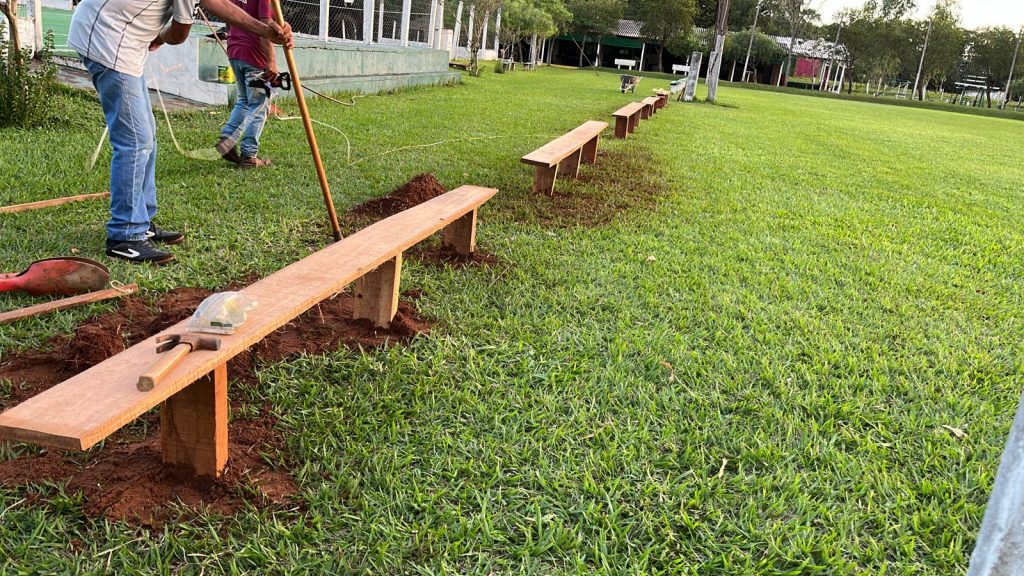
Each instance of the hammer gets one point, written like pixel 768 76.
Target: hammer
pixel 174 347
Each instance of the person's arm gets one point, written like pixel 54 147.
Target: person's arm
pixel 268 50
pixel 235 16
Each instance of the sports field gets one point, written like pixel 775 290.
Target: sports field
pixel 777 335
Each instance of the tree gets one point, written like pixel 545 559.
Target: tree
pixel 479 13
pixel 664 20
pixel 945 45
pixel 798 15
pixel 9 8
pixel 764 52
pixel 521 19
pixel 594 18
pixel 990 54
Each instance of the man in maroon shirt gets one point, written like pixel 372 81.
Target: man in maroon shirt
pixel 252 58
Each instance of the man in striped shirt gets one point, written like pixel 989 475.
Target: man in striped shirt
pixel 114 38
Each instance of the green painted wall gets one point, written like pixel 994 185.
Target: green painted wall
pixel 350 66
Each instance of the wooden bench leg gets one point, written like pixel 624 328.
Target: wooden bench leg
pixel 633 121
pixel 460 235
pixel 377 293
pixel 544 179
pixel 621 126
pixel 194 425
pixel 590 150
pixel 571 165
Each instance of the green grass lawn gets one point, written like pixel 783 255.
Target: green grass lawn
pixel 831 283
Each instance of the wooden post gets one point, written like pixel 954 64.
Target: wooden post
pixel 590 150
pixel 621 126
pixel 544 179
pixel 194 425
pixel 460 235
pixel 570 166
pixel 693 76
pixel 634 119
pixel 377 293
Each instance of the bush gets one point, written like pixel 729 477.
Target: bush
pixel 27 87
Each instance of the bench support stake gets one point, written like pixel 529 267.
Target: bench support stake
pixel 570 167
pixel 377 293
pixel 590 150
pixel 544 179
pixel 621 126
pixel 460 235
pixel 194 425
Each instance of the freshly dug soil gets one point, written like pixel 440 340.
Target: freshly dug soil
pixel 421 188
pixel 126 480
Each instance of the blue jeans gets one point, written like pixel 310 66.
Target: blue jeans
pixel 129 115
pixel 250 112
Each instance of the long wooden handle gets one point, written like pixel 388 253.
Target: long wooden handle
pixel 64 303
pixel 168 360
pixel 300 98
pixel 48 203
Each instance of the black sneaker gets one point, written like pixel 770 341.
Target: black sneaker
pixel 137 251
pixel 158 234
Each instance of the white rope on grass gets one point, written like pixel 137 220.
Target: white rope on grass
pixel 96 154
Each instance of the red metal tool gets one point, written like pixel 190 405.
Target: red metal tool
pixel 62 276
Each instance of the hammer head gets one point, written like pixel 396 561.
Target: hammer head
pixel 194 341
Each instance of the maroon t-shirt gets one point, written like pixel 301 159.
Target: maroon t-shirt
pixel 244 45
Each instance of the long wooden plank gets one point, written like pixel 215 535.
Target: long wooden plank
pixel 68 302
pixel 555 151
pixel 87 408
pixel 629 109
pixel 48 203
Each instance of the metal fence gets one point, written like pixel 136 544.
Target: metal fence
pixel 351 20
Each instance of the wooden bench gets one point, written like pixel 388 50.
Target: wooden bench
pixel 564 154
pixel 662 96
pixel 650 107
pixel 677 68
pixel 626 118
pixel 85 409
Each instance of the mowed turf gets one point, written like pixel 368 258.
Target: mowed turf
pixel 749 372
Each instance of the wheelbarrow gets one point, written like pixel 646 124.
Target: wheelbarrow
pixel 629 82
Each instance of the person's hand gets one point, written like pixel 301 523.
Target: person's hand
pixel 280 35
pixel 156 43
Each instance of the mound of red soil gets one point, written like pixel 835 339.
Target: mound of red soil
pixel 129 482
pixel 421 188
pixel 126 479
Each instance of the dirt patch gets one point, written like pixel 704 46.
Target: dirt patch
pixel 421 188
pixel 435 253
pixel 625 182
pixel 126 480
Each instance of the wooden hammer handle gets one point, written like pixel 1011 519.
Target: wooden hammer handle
pixel 168 360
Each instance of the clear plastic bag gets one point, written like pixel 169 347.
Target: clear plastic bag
pixel 221 313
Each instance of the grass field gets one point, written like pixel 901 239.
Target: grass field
pixel 832 282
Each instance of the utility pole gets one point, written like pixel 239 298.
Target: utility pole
pixel 832 57
pixel 715 63
pixel 753 32
pixel 920 65
pixel 1013 64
